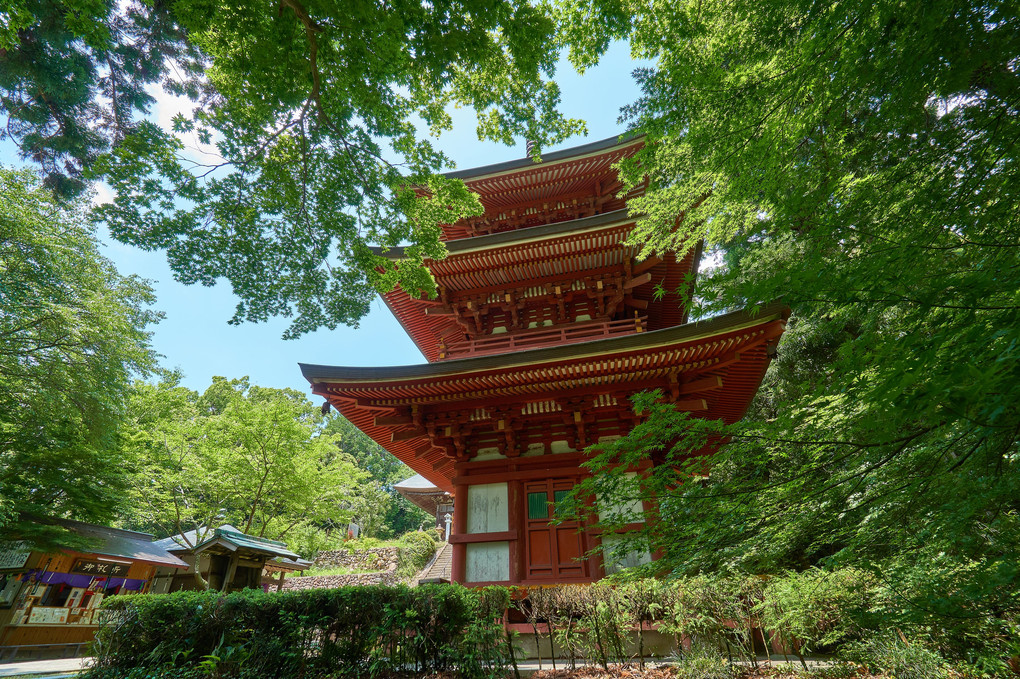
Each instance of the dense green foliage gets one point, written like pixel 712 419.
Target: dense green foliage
pixel 301 145
pixel 414 549
pixel 860 161
pixel 264 460
pixel 72 337
pixel 251 456
pixel 353 631
pixel 391 513
pixel 715 621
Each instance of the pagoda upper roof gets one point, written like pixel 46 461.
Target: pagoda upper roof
pixel 718 362
pixel 561 182
pixel 574 153
pixel 531 257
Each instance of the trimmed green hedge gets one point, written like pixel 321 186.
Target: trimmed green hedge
pixel 368 631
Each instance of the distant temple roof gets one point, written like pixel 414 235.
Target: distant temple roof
pixel 423 493
pixel 182 541
pixel 417 484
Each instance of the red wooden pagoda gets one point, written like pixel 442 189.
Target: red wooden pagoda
pixel 544 326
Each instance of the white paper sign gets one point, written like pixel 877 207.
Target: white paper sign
pixel 13 555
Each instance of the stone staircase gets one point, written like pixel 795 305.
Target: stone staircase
pixel 439 568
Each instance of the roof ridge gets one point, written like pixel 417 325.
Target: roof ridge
pixel 72 523
pixel 461 245
pixel 552 157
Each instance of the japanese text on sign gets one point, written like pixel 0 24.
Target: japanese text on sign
pixel 86 567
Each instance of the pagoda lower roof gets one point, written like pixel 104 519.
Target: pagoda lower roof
pixel 715 364
pixel 526 258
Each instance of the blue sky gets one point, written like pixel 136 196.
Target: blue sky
pixel 195 338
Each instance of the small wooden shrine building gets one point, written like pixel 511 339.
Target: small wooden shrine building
pixel 226 560
pixel 544 326
pixel 422 493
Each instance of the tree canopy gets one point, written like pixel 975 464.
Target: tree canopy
pixel 251 456
pixel 73 335
pixel 301 150
pixel 74 75
pixel 390 513
pixel 858 160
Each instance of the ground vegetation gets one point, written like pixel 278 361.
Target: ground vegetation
pixel 718 625
pixel 370 631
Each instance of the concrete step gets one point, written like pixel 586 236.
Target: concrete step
pixel 440 568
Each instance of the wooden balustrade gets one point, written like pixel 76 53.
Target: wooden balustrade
pixel 536 338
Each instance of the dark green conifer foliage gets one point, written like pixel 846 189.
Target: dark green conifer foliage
pixel 73 75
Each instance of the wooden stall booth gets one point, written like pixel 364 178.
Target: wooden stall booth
pixel 49 601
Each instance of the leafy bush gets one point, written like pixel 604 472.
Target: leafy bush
pixel 703 661
pixel 351 631
pixel 414 551
pixel 817 608
pixel 890 654
pixel 712 610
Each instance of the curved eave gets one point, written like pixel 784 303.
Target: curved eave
pixel 464 246
pixel 429 502
pixel 689 332
pixel 733 347
pixel 548 159
pixel 597 242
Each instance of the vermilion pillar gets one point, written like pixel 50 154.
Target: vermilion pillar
pixel 460 501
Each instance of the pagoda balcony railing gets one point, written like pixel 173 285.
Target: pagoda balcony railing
pixel 542 337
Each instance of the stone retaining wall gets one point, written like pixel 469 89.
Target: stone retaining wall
pixel 334 581
pixel 380 564
pixel 376 559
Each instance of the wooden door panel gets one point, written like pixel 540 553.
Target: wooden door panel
pixel 540 548
pixel 568 551
pixel 553 551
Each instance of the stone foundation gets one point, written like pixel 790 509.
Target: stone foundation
pixel 379 564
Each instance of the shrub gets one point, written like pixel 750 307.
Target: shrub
pixel 890 654
pixel 817 608
pixel 351 631
pixel 703 661
pixel 414 551
pixel 712 610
